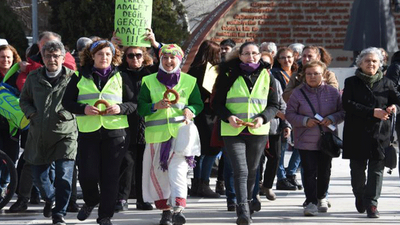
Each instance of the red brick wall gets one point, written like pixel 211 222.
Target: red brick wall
pixel 311 22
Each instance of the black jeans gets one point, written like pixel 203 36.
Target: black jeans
pixel 273 155
pixel 369 187
pixel 139 149
pixel 316 174
pixel 125 176
pixel 99 163
pixel 244 152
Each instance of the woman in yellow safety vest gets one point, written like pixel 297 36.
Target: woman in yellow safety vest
pixel 164 169
pixel 245 100
pixel 101 129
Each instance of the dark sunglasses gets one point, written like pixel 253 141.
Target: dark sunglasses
pixel 133 55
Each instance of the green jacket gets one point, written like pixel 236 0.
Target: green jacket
pixel 53 130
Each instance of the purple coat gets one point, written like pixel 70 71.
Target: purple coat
pixel 327 102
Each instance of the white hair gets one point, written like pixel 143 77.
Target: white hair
pixel 297 47
pixel 268 47
pixel 367 51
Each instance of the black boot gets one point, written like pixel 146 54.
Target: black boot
pixel 243 214
pixel 255 205
pixel 284 184
pixel 194 189
pixel 21 205
pixel 220 187
pixel 205 190
pixel 166 218
pixel 178 218
pixel 292 179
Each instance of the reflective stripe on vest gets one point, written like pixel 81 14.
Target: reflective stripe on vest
pixel 245 105
pixel 89 94
pixel 164 123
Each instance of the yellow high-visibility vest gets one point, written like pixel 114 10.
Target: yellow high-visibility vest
pixel 245 105
pixel 89 94
pixel 164 123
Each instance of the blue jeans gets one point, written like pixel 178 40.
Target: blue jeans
pixel 294 162
pixel 60 191
pixel 228 178
pixel 204 166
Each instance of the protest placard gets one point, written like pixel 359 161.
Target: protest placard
pixel 132 17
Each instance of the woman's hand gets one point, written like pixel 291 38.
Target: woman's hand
pixel 233 121
pixel 381 114
pixel 286 132
pixel 326 122
pixel 258 121
pixel 187 113
pixel 150 36
pixel 116 41
pixel 391 109
pixel 163 104
pixel 113 110
pixel 91 110
pixel 312 122
pixel 280 115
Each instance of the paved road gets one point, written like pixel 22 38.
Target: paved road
pixel 286 209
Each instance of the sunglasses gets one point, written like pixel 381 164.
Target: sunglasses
pixel 133 55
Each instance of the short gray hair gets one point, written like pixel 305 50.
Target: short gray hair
pixel 52 46
pixel 271 46
pixel 367 51
pixel 82 42
pixel 48 34
pixel 297 47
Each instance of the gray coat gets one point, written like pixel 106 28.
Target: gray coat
pixel 276 124
pixel 371 24
pixel 53 130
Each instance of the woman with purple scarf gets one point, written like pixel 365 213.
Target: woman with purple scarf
pixel 164 171
pixel 102 135
pixel 246 100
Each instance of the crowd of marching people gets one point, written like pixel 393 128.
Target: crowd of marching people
pixel 126 122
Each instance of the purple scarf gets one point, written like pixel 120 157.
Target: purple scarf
pixel 249 67
pixel 103 73
pixel 164 156
pixel 168 79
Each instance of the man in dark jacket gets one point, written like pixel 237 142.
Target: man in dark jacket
pixel 52 138
pixel 393 73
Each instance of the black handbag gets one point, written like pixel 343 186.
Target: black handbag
pixel 390 151
pixel 329 143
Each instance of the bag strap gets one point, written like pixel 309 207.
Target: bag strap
pixel 392 126
pixel 312 108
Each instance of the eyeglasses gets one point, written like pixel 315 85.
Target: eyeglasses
pixel 133 55
pixel 313 74
pixel 49 56
pixel 250 53
pixel 286 57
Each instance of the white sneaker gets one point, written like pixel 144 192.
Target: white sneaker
pixel 323 205
pixel 311 210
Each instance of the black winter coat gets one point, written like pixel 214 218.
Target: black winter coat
pixel 206 118
pixel 393 72
pixel 136 122
pixel 365 136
